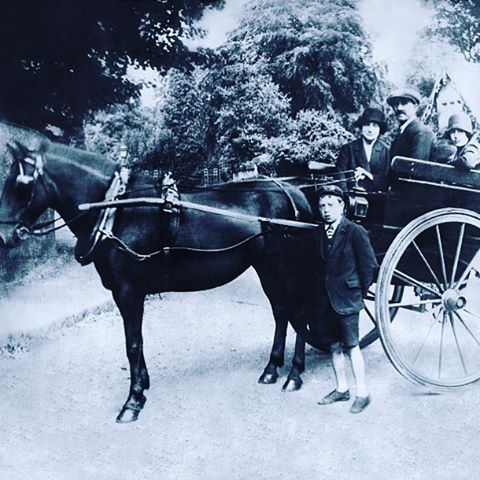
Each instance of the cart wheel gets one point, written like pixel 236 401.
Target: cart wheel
pixel 435 339
pixel 368 324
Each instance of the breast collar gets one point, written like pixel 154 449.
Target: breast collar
pixel 104 224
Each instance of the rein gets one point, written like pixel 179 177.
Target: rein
pixel 166 250
pixel 39 229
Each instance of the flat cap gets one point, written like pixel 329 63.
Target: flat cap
pixel 410 93
pixel 330 190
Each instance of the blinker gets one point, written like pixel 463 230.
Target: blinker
pixel 23 180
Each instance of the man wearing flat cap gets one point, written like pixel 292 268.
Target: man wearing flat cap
pixel 415 139
pixel 367 158
pixel 345 265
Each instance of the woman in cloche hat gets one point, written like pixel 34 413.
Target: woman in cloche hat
pixel 367 156
pixel 457 146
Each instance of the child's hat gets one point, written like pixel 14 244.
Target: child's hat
pixel 331 190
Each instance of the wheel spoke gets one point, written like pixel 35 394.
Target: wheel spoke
pixel 467 271
pixel 442 256
pixel 434 321
pixel 432 273
pixel 456 342
pixel 370 315
pixel 457 254
pixel 370 295
pixel 466 326
pixel 415 283
pixel 471 313
pixel 413 304
pixel 440 353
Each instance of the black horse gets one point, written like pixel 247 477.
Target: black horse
pixel 153 249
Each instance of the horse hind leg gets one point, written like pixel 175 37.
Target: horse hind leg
pixel 294 380
pixel 282 311
pixel 130 304
pixel 270 373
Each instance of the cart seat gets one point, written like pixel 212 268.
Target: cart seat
pixel 431 173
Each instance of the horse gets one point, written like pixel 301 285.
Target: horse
pixel 150 249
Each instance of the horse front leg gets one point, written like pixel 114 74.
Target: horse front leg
pixel 294 380
pixel 130 303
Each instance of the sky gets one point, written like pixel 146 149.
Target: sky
pixel 218 24
pixel 394 27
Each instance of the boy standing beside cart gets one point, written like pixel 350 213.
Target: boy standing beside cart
pixel 345 270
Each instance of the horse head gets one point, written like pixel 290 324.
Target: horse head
pixel 24 196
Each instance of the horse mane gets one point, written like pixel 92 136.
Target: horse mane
pixel 37 141
pixel 83 160
pixel 9 132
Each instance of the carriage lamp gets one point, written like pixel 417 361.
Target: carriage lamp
pixel 358 206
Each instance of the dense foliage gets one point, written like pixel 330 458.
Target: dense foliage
pixel 126 125
pixel 457 21
pixel 280 92
pixel 316 51
pixel 63 59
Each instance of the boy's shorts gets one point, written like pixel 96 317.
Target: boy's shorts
pixel 341 328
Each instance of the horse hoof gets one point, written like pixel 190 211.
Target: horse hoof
pixel 267 378
pixel 292 384
pixel 131 410
pixel 127 415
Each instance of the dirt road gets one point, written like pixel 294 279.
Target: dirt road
pixel 206 417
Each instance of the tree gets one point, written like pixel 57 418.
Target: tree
pixel 63 59
pixel 457 20
pixel 312 136
pixel 250 109
pixel 124 124
pixel 316 51
pixel 278 93
pixel 185 114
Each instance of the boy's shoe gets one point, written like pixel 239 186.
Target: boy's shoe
pixel 335 396
pixel 360 404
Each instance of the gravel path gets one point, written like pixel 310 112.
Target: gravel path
pixel 206 417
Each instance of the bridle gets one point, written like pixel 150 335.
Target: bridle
pixel 32 181
pixel 37 162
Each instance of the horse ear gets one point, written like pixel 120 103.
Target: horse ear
pixel 17 148
pixel 13 149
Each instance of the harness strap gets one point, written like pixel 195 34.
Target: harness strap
pixel 104 225
pixel 166 250
pixel 280 185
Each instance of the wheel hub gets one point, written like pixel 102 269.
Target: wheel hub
pixel 452 300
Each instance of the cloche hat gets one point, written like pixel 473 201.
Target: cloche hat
pixel 410 93
pixel 459 121
pixel 372 114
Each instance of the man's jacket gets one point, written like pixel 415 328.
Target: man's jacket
pixel 352 155
pixel 415 141
pixel 344 271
